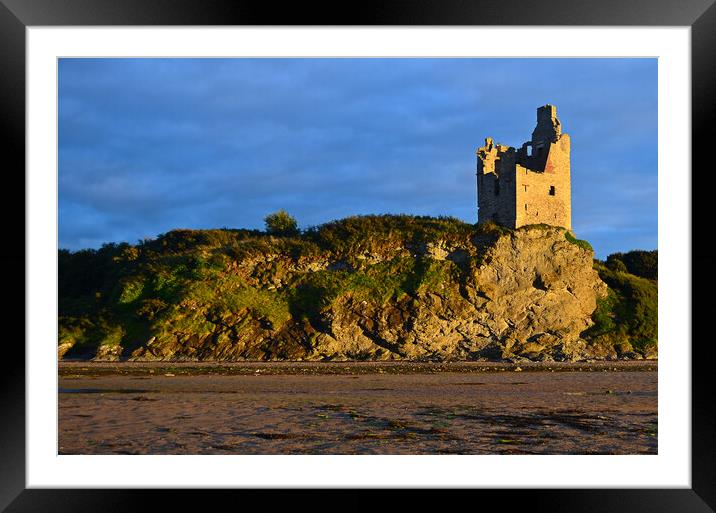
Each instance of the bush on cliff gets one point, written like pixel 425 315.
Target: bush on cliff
pixel 281 223
pixel 578 242
pixel 637 262
pixel 628 317
pixel 360 233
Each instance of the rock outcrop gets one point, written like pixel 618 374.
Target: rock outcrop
pixel 408 288
pixel 530 295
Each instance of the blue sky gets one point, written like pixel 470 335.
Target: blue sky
pixel 149 145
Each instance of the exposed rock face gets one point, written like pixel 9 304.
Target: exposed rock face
pixel 529 294
pixel 532 296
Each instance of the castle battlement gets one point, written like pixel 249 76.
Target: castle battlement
pixel 529 185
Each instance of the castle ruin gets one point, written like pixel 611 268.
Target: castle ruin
pixel 530 185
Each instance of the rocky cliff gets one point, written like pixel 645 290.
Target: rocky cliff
pixel 377 288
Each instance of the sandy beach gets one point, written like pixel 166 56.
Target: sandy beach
pixel 357 408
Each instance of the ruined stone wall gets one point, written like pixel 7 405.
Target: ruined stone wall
pixel 548 126
pixel 531 185
pixel 496 183
pixel 545 197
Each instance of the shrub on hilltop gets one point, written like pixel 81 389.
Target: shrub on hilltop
pixel 637 262
pixel 281 223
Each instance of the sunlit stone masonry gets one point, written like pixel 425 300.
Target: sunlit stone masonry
pixel 529 185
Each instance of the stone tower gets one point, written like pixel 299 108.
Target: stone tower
pixel 530 185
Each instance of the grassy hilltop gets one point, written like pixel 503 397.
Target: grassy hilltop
pixel 371 287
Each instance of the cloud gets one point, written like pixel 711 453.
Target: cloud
pixel 147 145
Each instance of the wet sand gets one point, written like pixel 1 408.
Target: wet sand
pixel 357 408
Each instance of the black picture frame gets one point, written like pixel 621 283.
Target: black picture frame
pixel 17 15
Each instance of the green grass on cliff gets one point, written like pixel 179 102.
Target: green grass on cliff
pixel 376 284
pixel 199 284
pixel 360 232
pixel 628 317
pixel 191 281
pixel 578 242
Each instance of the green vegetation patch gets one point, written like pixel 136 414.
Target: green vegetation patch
pixel 578 242
pixel 357 234
pixel 628 316
pixel 281 223
pixel 376 284
pixel 490 228
pixel 644 264
pixel 230 297
pixel 86 336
